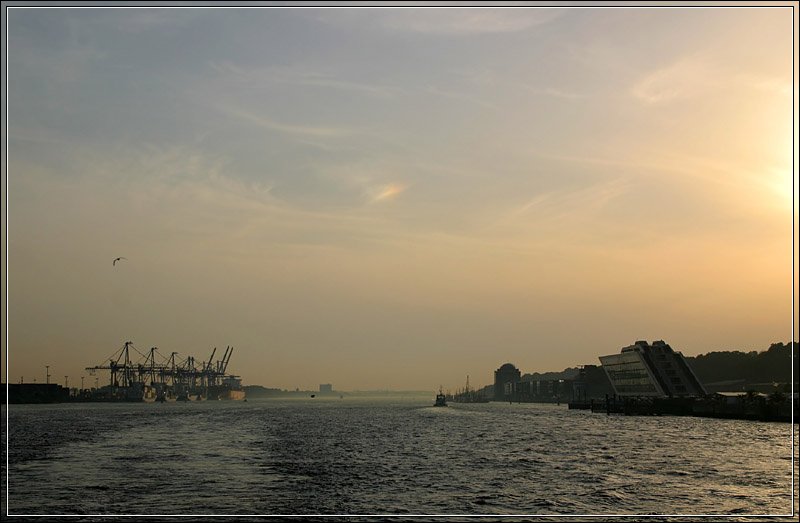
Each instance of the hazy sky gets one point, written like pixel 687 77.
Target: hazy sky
pixel 396 198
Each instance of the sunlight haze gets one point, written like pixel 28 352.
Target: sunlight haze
pixel 396 198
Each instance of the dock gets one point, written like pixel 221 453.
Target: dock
pixel 746 406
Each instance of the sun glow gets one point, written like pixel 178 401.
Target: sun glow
pixel 779 182
pixel 778 175
pixel 771 167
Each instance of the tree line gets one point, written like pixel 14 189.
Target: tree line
pixel 771 366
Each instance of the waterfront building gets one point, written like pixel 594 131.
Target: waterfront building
pixel 540 391
pixel 591 383
pixel 524 391
pixel 649 370
pixel 506 374
pixel 35 393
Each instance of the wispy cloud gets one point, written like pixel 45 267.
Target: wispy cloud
pixel 682 79
pixel 386 192
pixel 769 83
pixel 648 162
pixel 295 75
pixel 557 93
pixel 469 99
pixel 453 21
pixel 575 202
pixel 69 64
pixel 144 20
pixel 291 129
pixel 492 79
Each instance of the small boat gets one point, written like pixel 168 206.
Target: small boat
pixel 441 399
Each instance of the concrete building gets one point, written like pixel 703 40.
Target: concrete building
pixel 653 370
pixel 505 379
pixel 541 391
pixel 326 388
pixel 591 383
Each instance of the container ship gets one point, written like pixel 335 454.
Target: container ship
pixel 154 378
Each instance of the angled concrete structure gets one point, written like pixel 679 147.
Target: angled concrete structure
pixel 655 370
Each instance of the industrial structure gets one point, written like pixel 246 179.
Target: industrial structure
pixel 153 377
pixel 469 395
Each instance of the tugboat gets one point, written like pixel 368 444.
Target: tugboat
pixel 441 399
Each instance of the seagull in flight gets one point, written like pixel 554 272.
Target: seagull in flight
pixel 118 259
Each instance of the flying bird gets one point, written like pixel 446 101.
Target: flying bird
pixel 118 259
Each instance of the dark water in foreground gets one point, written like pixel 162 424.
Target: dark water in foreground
pixel 388 456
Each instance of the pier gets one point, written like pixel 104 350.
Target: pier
pixel 747 406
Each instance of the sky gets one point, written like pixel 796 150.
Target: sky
pixel 395 198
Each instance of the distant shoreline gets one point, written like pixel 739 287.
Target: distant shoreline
pixel 258 391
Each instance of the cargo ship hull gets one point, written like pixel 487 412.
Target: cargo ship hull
pixel 226 394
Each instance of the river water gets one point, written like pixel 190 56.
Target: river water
pixel 388 456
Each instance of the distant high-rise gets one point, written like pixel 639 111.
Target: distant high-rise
pixel 325 388
pixel 651 370
pixel 504 378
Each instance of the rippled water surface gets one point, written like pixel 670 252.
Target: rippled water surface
pixel 388 456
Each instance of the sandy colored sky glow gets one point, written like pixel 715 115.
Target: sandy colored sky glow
pixel 396 198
